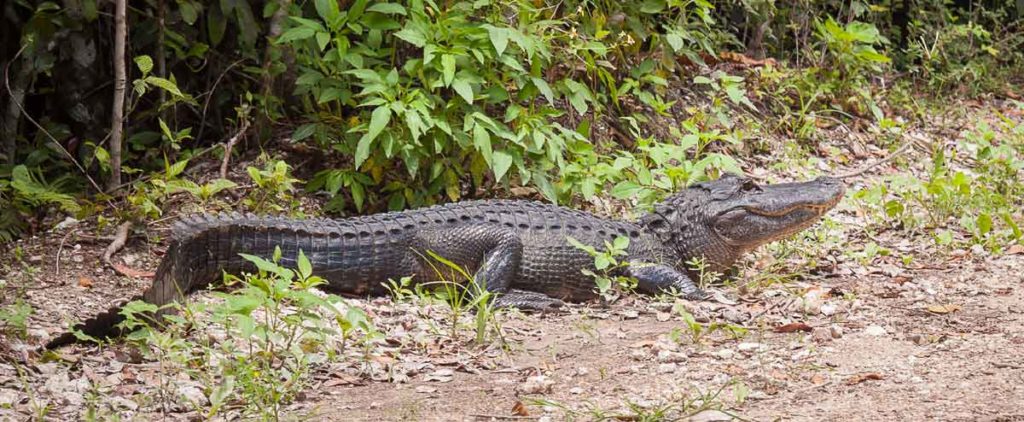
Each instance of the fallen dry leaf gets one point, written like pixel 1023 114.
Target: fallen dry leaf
pixel 131 272
pixel 944 309
pixel 1015 249
pixel 868 376
pixel 519 409
pixel 793 327
pixel 85 282
pixel 817 379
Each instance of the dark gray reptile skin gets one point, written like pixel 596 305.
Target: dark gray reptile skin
pixel 518 248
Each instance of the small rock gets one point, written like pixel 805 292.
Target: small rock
pixel 829 309
pixel 581 371
pixel 8 398
pixel 68 222
pixel 918 339
pixel 35 259
pixel 801 355
pixel 425 389
pixel 668 356
pixel 749 347
pixel 536 385
pixel 875 330
pixel 664 316
pixel 440 375
pixel 630 314
pixel 724 354
pixel 836 331
pixel 666 368
pixel 118 402
pixel 734 316
pixel 374 405
pixel 637 354
pixel 192 395
pixel 576 390
pixel 711 416
pixel 821 334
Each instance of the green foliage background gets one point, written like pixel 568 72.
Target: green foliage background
pixel 416 102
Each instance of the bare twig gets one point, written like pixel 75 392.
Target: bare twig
pixel 206 102
pixel 119 240
pixel 43 130
pixel 231 144
pixel 10 123
pixel 907 143
pixel 120 83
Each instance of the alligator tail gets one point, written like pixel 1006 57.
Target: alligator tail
pixel 201 247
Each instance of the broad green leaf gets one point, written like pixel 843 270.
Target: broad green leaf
pixel 387 9
pixel 188 11
pixel 166 85
pixel 379 120
pixel 145 64
pixel 327 9
pixel 482 141
pixel 448 68
pixel 464 90
pixel 304 266
pixel 499 38
pixel 412 36
pixel 296 34
pixel 502 162
pixel 626 190
pixel 363 149
pixel 544 89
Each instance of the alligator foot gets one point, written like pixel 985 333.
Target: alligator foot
pixel 527 300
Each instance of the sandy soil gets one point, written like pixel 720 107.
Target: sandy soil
pixel 936 337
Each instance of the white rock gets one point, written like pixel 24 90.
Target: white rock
pixel 576 390
pixel 801 355
pixel 8 398
pixel 423 389
pixel 666 368
pixel 875 330
pixel 536 385
pixel 829 309
pixel 724 354
pixel 749 347
pixel 711 416
pixel 192 395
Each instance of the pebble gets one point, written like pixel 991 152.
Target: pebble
pixel 666 368
pixel 576 390
pixel 630 314
pixel 749 347
pixel 425 389
pixel 724 354
pixel 711 416
pixel 668 356
pixel 8 398
pixel 801 355
pixel 875 330
pixel 192 395
pixel 821 334
pixel 536 385
pixel 829 309
pixel 836 331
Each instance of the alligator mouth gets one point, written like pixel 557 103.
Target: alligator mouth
pixel 817 208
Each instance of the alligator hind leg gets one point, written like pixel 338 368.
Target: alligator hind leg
pixel 659 278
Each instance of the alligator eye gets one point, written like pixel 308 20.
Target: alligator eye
pixel 750 186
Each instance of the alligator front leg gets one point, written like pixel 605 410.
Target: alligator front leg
pixel 660 278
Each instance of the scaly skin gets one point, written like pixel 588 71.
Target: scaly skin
pixel 517 249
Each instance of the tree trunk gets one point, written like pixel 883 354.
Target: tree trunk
pixel 120 82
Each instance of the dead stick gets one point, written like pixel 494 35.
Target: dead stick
pixel 119 240
pixel 231 144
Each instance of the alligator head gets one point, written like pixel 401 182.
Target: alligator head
pixel 723 219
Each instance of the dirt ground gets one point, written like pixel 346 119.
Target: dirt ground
pixel 936 337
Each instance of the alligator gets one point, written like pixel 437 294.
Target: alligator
pixel 518 250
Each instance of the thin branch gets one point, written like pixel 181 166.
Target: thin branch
pixel 231 144
pixel 899 151
pixel 46 132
